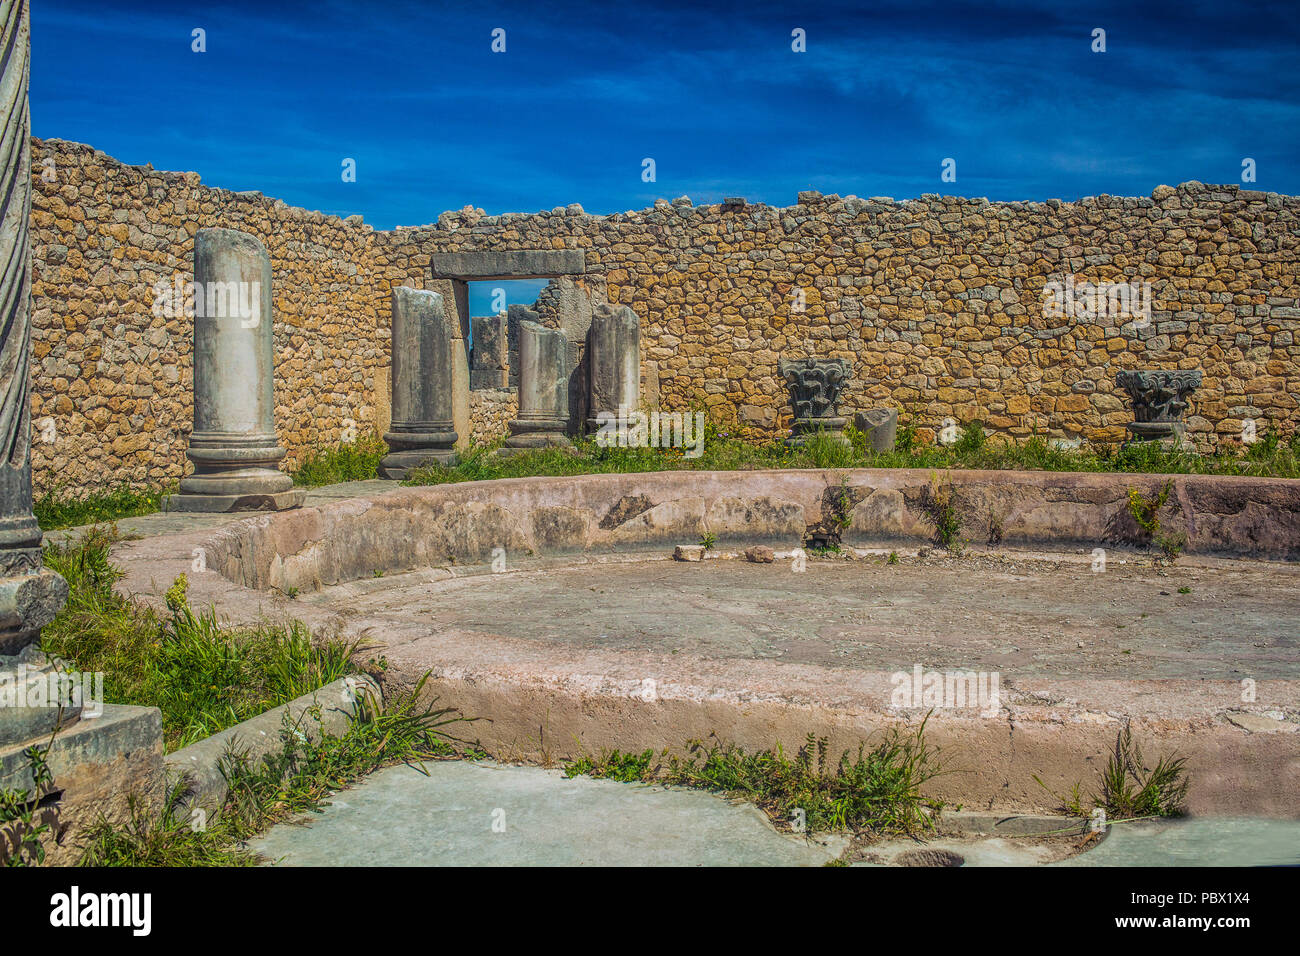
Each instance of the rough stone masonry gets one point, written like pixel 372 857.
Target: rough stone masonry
pixel 937 304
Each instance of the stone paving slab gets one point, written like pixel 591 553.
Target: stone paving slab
pixel 163 523
pixel 400 817
pixel 1200 841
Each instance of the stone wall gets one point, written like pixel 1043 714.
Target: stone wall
pixel 115 379
pixel 490 411
pixel 937 303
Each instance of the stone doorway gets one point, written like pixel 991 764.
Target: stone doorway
pixel 566 302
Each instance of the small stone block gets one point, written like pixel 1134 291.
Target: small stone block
pixel 487 378
pixel 688 552
pixel 1258 724
pixel 760 554
pixel 879 426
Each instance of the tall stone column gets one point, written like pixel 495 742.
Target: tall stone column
pixel 613 363
pixel 233 445
pixel 424 383
pixel 30 595
pixel 543 391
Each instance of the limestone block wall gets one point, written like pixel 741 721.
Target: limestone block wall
pixel 112 381
pixel 937 303
pixel 490 411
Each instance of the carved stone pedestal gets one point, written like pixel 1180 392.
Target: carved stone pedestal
pixel 815 387
pixel 1159 398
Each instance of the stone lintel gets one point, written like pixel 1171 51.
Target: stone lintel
pixel 515 264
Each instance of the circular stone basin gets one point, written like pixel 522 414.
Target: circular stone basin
pixel 1020 617
pixel 582 642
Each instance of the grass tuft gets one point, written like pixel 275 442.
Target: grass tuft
pixel 347 461
pixel 54 511
pixel 298 778
pixel 1127 790
pixel 877 790
pixel 975 449
pixel 203 677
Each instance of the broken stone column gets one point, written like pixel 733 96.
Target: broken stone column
pixel 613 363
pixel 543 391
pixel 488 368
pixel 515 316
pixel 233 447
pixel 879 426
pixel 424 381
pixel 815 387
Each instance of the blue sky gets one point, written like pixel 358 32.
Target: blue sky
pixel 712 92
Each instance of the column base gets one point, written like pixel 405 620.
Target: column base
pixel 1171 436
pixel 806 428
pixel 531 434
pixel 397 465
pixel 220 504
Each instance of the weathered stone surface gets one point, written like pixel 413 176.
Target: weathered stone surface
pixel 233 445
pixel 543 391
pixel 879 426
pixel 755 517
pixel 489 354
pixel 938 303
pixel 568 303
pixel 481 379
pixel 688 552
pixel 221 504
pixel 102 766
pixel 490 412
pixel 515 315
pixel 613 363
pixel 815 389
pixel 1261 724
pixel 424 383
pixel 460 404
pixel 760 554
pixel 512 264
